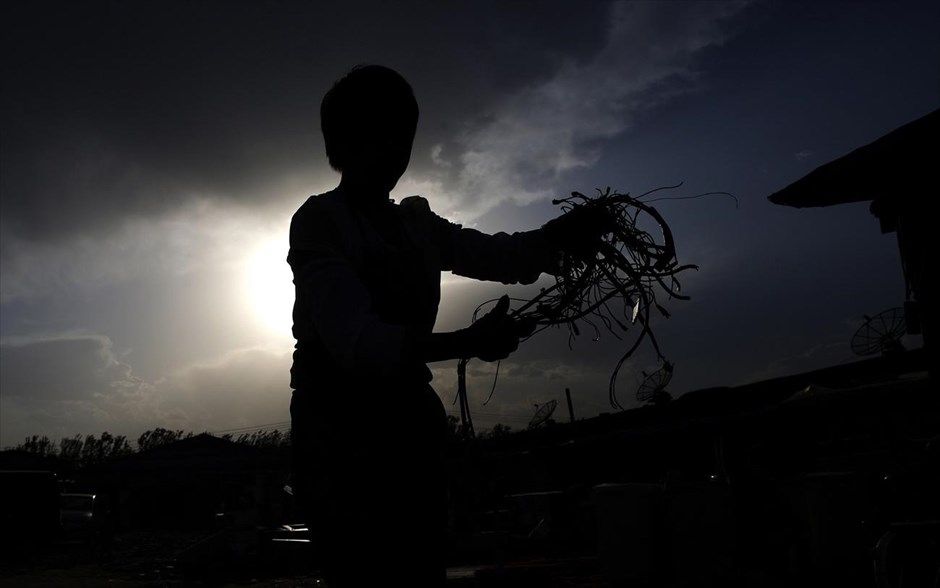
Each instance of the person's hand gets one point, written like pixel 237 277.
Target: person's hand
pixel 494 336
pixel 579 231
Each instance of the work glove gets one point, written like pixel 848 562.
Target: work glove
pixel 494 336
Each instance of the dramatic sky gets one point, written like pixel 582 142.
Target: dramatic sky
pixel 153 153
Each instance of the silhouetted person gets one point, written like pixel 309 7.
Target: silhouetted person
pixel 368 429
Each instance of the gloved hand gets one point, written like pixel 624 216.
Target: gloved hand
pixel 494 336
pixel 579 231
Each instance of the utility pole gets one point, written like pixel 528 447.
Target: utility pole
pixel 570 408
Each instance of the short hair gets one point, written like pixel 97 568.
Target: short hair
pixel 368 98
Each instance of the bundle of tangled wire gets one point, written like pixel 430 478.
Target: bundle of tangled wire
pixel 615 287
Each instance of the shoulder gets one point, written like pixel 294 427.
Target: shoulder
pixel 416 204
pixel 317 206
pixel 418 209
pixel 319 218
pixel 423 223
pixel 329 207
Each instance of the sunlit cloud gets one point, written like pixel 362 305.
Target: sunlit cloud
pixel 243 387
pixel 204 233
pixel 95 389
pixel 86 366
pixel 60 384
pixel 559 124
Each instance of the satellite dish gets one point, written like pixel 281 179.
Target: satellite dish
pixel 880 333
pixel 653 387
pixel 543 413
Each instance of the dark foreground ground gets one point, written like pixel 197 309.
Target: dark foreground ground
pixel 829 478
pixel 160 560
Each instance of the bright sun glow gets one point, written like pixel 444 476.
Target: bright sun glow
pixel 269 289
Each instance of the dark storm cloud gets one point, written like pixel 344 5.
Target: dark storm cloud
pixel 116 109
pixel 124 109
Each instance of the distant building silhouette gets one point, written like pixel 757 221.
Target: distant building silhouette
pixel 897 174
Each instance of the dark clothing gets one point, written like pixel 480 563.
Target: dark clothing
pixel 368 430
pixel 372 481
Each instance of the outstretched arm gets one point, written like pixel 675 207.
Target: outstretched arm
pixel 517 258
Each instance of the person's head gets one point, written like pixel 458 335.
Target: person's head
pixel 368 119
